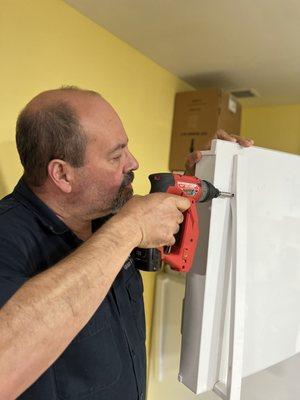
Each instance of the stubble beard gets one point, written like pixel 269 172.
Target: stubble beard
pixel 103 205
pixel 124 194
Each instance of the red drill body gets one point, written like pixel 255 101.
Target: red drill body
pixel 181 255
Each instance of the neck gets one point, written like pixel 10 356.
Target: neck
pixel 80 226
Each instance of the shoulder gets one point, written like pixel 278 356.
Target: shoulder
pixel 15 218
pixel 19 232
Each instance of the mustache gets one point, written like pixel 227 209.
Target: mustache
pixel 128 178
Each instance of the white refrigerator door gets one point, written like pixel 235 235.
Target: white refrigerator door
pixel 271 331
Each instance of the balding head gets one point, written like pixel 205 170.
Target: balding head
pixel 71 95
pixel 49 128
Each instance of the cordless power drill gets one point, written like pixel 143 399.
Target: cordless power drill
pixel 179 256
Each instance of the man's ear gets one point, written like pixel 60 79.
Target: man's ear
pixel 61 173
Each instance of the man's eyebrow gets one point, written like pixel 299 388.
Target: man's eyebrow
pixel 118 147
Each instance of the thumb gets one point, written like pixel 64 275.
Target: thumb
pixel 182 203
pixel 191 162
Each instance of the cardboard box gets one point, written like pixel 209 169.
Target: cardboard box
pixel 197 117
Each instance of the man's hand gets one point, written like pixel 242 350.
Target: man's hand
pixel 194 157
pixel 156 217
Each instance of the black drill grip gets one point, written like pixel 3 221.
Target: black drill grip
pixel 161 182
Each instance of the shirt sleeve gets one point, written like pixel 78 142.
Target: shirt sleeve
pixel 12 269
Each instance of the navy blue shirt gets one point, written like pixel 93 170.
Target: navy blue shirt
pixel 106 360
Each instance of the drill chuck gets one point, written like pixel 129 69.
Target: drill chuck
pixel 210 192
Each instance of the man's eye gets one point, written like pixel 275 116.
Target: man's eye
pixel 117 158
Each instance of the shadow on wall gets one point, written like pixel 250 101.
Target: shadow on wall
pixel 3 188
pixel 10 167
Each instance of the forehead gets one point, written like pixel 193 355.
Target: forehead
pixel 101 123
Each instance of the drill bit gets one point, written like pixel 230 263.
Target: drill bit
pixel 226 194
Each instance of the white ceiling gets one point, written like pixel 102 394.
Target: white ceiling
pixel 233 44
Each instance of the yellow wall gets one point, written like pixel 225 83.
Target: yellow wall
pixel 276 127
pixel 46 44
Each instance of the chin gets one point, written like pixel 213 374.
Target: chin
pixel 122 199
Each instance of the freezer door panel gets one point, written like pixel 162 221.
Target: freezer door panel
pixel 271 333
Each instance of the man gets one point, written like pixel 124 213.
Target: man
pixel 72 317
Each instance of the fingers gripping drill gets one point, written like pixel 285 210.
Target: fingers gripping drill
pixel 179 256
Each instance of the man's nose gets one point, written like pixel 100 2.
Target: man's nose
pixel 132 163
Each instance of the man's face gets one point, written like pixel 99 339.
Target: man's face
pixel 103 184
